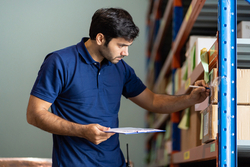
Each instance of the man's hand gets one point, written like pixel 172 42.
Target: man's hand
pixel 94 133
pixel 198 95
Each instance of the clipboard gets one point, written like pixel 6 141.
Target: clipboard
pixel 132 130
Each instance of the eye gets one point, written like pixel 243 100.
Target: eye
pixel 120 46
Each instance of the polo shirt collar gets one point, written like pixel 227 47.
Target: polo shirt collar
pixel 82 50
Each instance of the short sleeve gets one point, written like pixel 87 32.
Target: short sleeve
pixel 133 85
pixel 50 79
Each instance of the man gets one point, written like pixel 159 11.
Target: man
pixel 83 85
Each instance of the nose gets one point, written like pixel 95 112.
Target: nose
pixel 125 52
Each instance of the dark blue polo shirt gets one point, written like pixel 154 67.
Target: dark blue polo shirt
pixel 82 92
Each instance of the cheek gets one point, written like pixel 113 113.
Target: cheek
pixel 115 52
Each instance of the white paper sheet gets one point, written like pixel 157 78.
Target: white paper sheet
pixel 132 130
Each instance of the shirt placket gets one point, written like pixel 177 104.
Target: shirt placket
pixel 99 69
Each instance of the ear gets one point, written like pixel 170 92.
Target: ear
pixel 100 39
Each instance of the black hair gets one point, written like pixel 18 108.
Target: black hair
pixel 113 23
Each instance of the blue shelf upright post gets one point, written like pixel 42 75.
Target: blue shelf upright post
pixel 227 105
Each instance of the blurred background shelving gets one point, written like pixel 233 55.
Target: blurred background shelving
pixel 167 61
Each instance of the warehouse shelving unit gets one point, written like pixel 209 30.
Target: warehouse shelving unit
pixel 193 11
pixel 225 40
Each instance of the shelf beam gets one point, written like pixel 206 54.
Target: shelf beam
pixel 201 153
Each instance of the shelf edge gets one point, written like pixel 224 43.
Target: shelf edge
pixel 199 153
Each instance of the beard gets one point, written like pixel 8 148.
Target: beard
pixel 105 52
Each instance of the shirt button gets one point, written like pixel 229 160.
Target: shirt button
pixel 99 73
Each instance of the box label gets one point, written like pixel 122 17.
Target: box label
pixel 189 12
pixel 205 124
pixel 187 83
pixel 212 147
pixel 186 155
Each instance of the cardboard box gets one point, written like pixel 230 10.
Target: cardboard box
pixel 210 126
pixel 213 86
pixel 190 43
pixel 193 47
pixel 177 79
pixel 192 39
pixel 210 123
pixel 203 43
pixel 243 88
pixel 190 65
pixel 243 29
pixel 190 138
pixel 213 56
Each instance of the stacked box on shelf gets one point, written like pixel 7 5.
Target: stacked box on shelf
pixel 190 138
pixel 194 46
pixel 210 115
pixel 203 43
pixel 243 88
pixel 213 56
pixel 214 83
pixel 210 123
pixel 190 54
pixel 243 29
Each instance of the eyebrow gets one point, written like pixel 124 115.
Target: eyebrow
pixel 122 44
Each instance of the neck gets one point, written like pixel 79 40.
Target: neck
pixel 92 48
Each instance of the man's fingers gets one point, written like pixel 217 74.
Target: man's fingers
pixel 201 83
pixel 102 128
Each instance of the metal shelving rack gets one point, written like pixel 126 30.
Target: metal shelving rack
pixel 227 103
pixel 224 148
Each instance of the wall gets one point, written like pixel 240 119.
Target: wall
pixel 31 29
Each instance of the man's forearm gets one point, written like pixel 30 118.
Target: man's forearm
pixel 52 123
pixel 170 104
pixel 39 116
pixel 161 103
